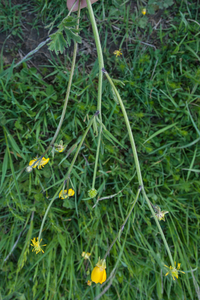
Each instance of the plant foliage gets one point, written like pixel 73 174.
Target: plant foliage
pixel 62 38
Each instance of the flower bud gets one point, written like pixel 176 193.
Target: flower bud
pixel 92 193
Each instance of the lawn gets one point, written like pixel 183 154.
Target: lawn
pixel 100 150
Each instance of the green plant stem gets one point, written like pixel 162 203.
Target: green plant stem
pixel 100 58
pixel 68 88
pixel 99 52
pixel 101 65
pixel 97 158
pixel 67 175
pixel 138 165
pixel 124 223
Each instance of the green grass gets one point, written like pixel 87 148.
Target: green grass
pixel 160 90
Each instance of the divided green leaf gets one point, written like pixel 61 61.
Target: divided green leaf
pixel 63 36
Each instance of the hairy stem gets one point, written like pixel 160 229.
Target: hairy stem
pixel 137 164
pixel 68 88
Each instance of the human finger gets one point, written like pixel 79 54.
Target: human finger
pixel 83 4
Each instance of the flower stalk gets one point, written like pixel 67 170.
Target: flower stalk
pixel 67 175
pixel 99 52
pixel 137 164
pixel 139 175
pixel 101 65
pixel 68 86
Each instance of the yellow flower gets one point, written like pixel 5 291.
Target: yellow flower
pixel 38 162
pixel 60 147
pixel 173 271
pixel 36 244
pixel 117 52
pixel 86 255
pixel 160 214
pixel 99 273
pixel 144 11
pixel 89 282
pixel 64 194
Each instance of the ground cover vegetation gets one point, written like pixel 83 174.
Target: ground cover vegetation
pixel 81 216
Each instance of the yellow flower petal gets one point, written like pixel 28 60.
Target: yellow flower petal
pixel 117 52
pixel 43 162
pixel 36 244
pixel 144 11
pixel 89 282
pixel 59 147
pixel 33 164
pixel 166 266
pixel 86 255
pixel 98 275
pixel 38 162
pixel 173 271
pixel 160 215
pixel 71 192
pixel 63 194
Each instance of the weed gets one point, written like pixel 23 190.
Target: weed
pixel 102 209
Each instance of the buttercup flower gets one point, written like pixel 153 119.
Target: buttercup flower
pixel 38 162
pixel 89 282
pixel 160 214
pixel 36 244
pixel 173 271
pixel 60 147
pixel 144 11
pixel 117 52
pixel 64 194
pixel 86 255
pixel 99 273
pixel 92 193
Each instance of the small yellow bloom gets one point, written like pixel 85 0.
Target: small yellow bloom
pixel 89 282
pixel 92 193
pixel 64 194
pixel 173 271
pixel 38 162
pixel 117 52
pixel 144 11
pixel 99 273
pixel 36 244
pixel 71 192
pixel 160 214
pixel 60 147
pixel 86 255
